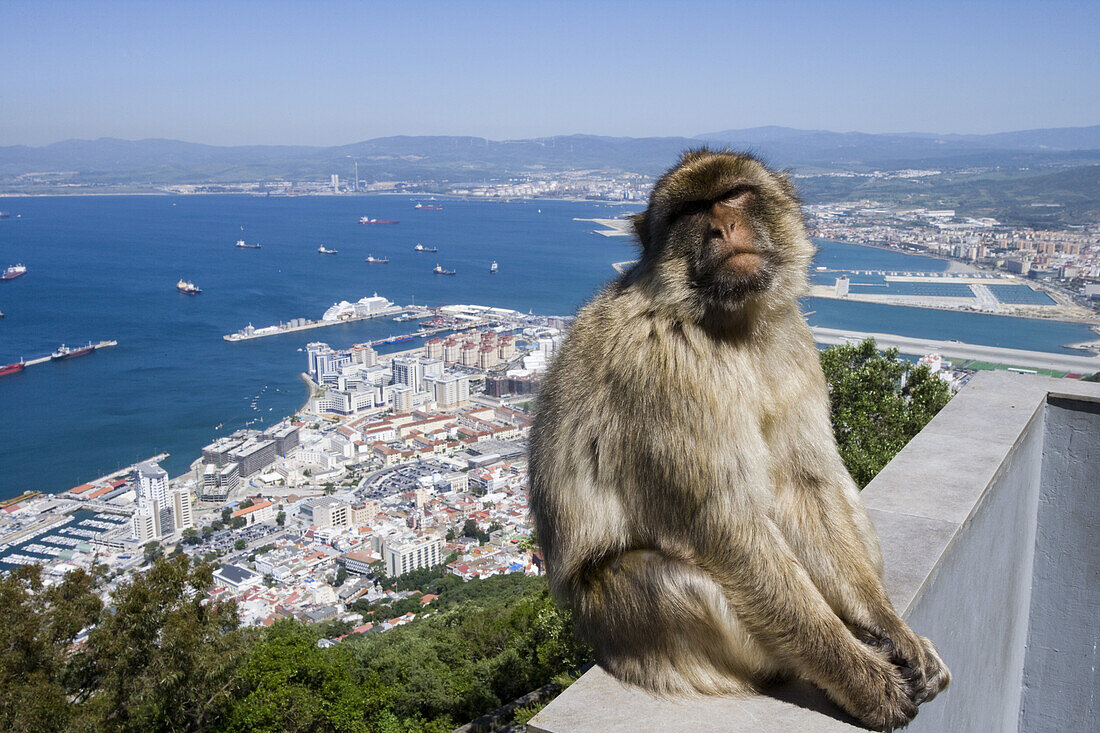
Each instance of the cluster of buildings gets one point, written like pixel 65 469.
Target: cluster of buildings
pixel 384 471
pixel 1072 256
pixel 586 184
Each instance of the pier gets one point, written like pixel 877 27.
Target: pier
pixel 43 359
pixel 960 351
pixel 304 324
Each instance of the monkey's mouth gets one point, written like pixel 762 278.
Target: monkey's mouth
pixel 743 261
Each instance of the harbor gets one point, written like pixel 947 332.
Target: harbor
pixel 342 312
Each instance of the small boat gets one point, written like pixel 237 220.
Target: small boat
pixel 65 352
pixel 368 220
pixel 14 271
pixel 493 267
pixel 421 248
pixel 440 271
pixel 325 251
pixel 377 260
pixel 428 207
pixel 242 245
pixel 187 287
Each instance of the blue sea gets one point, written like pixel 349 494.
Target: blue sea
pixel 106 268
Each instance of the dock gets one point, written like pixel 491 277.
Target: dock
pixel 303 324
pixel 43 359
pixel 958 350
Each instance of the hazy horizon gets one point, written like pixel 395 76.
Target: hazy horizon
pixel 567 134
pixel 278 73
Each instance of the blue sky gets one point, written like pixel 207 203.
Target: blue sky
pixel 326 73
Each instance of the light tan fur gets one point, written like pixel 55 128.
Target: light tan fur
pixel 685 483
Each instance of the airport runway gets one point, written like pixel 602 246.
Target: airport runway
pixel 959 351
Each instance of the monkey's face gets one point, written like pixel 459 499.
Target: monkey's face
pixel 727 257
pixel 727 229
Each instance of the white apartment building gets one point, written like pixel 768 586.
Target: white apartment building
pixel 329 512
pixel 182 517
pixel 411 552
pixel 450 390
pixel 407 371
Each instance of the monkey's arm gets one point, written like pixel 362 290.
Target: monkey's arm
pixel 774 597
pixel 817 509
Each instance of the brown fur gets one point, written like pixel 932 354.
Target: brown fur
pixel 685 483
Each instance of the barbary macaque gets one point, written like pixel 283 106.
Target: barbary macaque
pixel 686 487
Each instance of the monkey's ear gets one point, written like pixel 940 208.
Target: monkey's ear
pixel 783 177
pixel 641 229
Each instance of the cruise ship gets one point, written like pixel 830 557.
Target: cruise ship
pixel 14 271
pixel 187 287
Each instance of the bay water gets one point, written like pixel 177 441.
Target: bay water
pixel 106 267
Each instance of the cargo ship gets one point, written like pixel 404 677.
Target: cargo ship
pixel 368 220
pixel 14 271
pixel 242 245
pixel 378 260
pixel 428 207
pixel 187 287
pixel 325 251
pixel 421 248
pixel 440 271
pixel 13 368
pixel 66 353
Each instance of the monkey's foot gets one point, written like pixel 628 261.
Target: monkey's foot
pixel 916 659
pixel 878 694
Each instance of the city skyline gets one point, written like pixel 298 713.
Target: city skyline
pixel 274 73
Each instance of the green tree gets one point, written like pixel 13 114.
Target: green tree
pixel 341 575
pixel 1092 378
pixel 227 514
pixel 39 625
pixel 469 529
pixel 165 659
pixel 289 684
pixel 280 518
pixel 151 551
pixel 878 404
pixel 247 502
pixel 207 531
pixel 190 536
pixel 238 523
pixel 240 544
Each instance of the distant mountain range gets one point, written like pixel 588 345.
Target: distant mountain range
pixel 157 162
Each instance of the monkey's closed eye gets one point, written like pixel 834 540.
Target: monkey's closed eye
pixel 689 208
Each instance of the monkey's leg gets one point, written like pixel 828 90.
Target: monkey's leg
pixel 775 600
pixel 664 624
pixel 834 540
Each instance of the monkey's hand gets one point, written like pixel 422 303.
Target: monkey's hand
pixel 915 657
pixel 877 693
